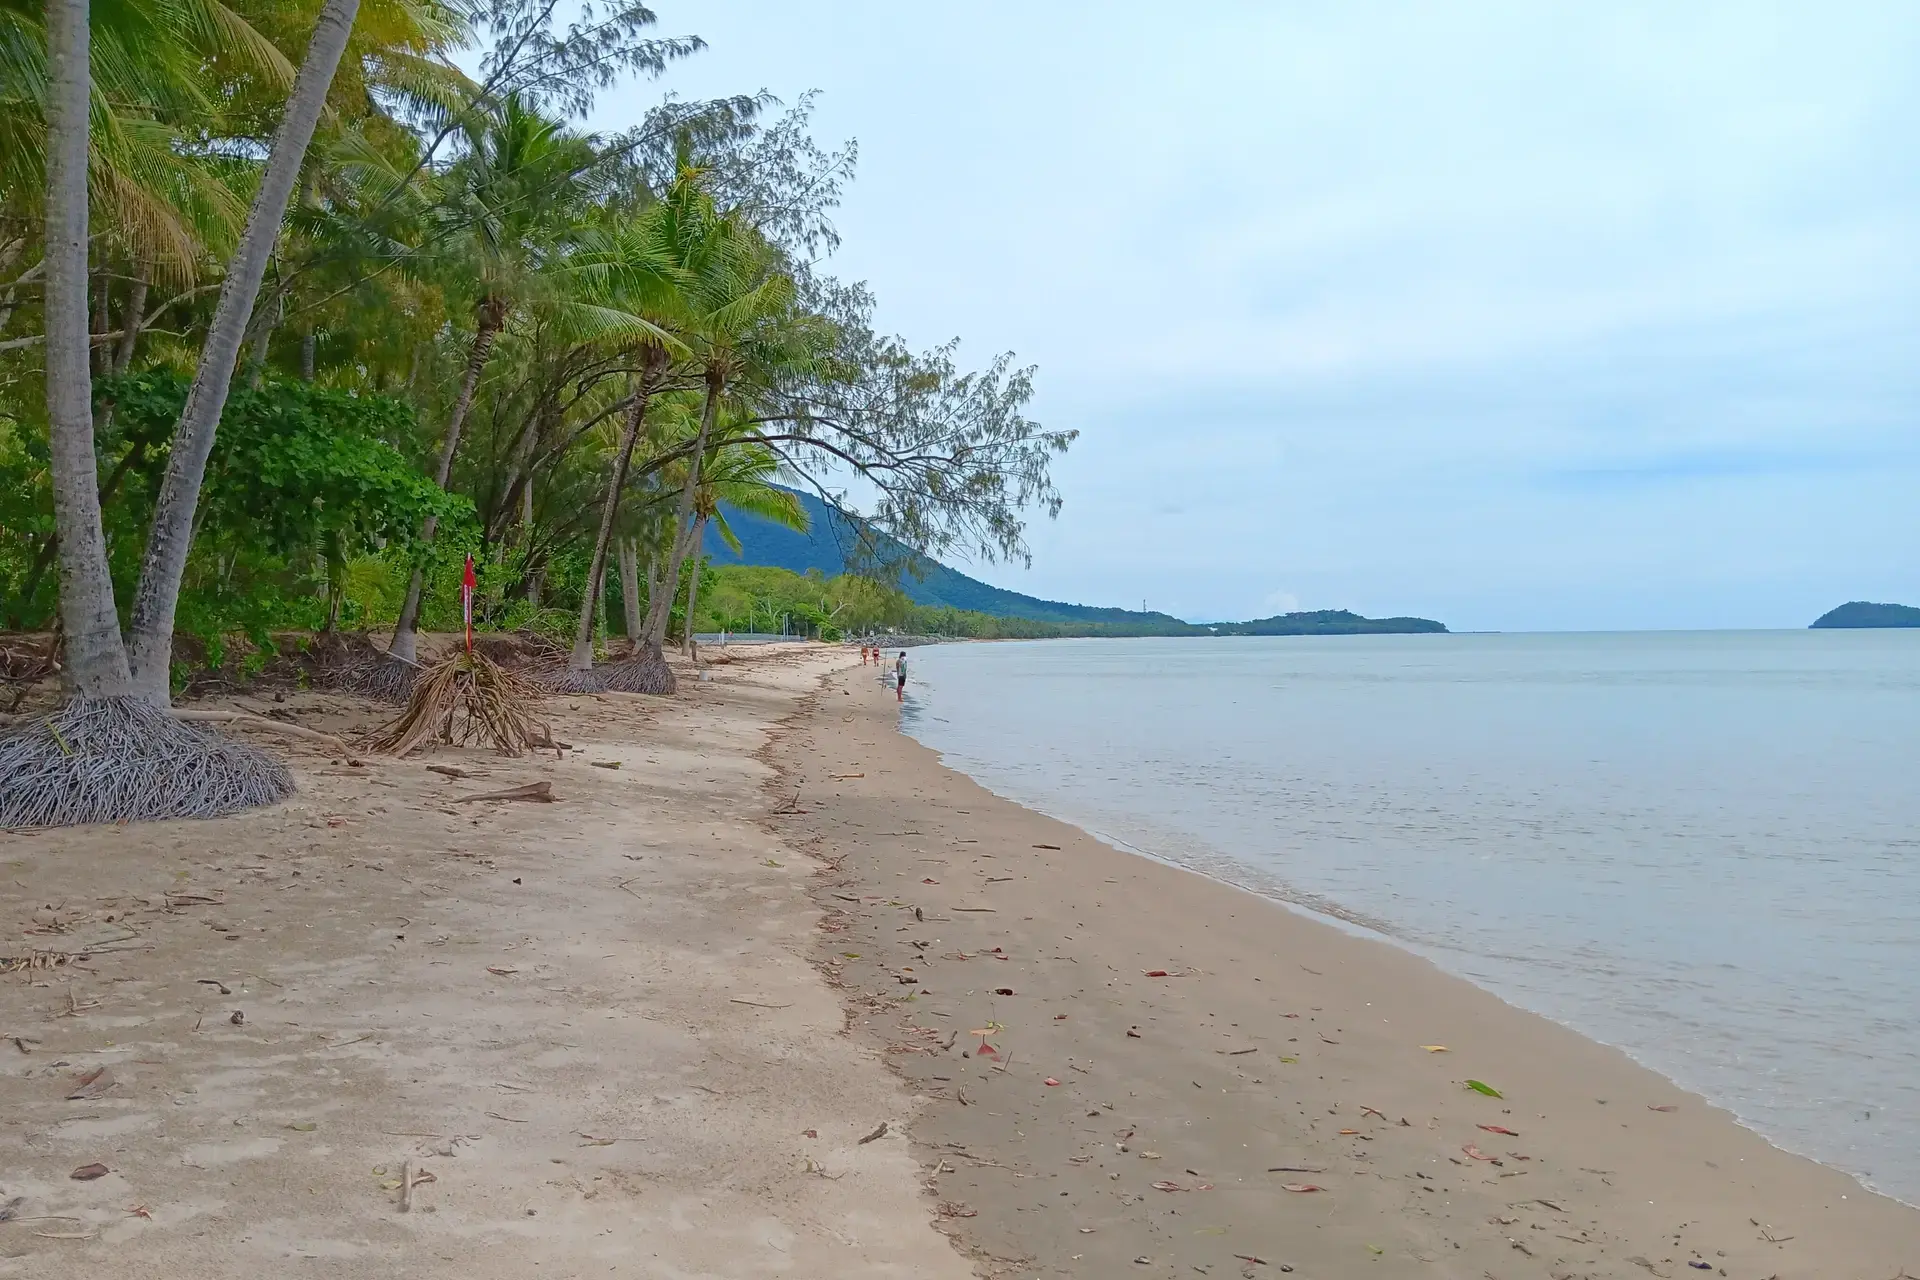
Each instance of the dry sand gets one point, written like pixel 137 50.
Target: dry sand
pixel 1131 1124
pixel 588 1029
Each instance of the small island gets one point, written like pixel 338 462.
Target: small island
pixel 1329 622
pixel 1861 613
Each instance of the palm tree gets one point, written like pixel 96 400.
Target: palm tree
pixel 150 647
pixel 514 195
pixel 740 475
pixel 96 657
pixel 739 318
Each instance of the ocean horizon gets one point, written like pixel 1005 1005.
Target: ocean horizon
pixel 1699 847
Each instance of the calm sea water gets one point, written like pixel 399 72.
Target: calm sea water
pixel 1701 847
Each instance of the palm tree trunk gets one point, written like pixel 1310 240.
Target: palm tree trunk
pixel 173 518
pixel 130 327
pixel 630 588
pixel 492 315
pixel 582 658
pixel 693 579
pixel 96 658
pixel 660 607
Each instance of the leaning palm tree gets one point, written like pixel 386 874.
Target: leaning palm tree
pixel 739 319
pixel 740 476
pixel 514 197
pixel 113 752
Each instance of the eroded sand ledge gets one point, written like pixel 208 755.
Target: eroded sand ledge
pixel 1276 1050
pixel 593 1023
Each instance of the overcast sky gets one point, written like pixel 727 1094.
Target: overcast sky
pixel 1519 316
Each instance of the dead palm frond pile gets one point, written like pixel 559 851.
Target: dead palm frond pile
pixel 126 760
pixel 465 698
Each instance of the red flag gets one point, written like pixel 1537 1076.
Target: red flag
pixel 467 584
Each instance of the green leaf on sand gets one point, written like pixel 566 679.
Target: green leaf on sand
pixel 1481 1086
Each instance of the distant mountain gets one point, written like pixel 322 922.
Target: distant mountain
pixel 1329 622
pixel 1860 613
pixel 825 544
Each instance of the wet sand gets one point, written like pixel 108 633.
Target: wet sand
pixel 1171 1055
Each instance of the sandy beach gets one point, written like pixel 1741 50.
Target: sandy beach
pixel 587 1032
pixel 1185 1079
pixel 646 1031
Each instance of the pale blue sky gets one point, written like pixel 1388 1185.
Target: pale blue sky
pixel 1522 315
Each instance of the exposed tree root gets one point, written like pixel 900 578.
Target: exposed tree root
pixel 126 760
pixel 642 673
pixel 382 677
pixel 466 697
pixel 566 679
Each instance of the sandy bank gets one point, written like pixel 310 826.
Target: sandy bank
pixel 1172 1055
pixel 589 1029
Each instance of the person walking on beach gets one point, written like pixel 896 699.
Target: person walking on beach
pixel 900 677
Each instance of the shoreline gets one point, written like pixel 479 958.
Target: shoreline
pixel 1314 1031
pixel 1358 926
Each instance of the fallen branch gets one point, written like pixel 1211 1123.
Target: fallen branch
pixel 541 792
pixel 262 722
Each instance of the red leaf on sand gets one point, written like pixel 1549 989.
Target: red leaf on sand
pixel 811 1133
pixel 1155 973
pixel 1667 1107
pixel 987 1051
pixel 1476 1152
pixel 1059 1017
pixel 1301 1186
pixel 88 1172
pixel 929 880
pixel 1494 1128
pixel 1050 1080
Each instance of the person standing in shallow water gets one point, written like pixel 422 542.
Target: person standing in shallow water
pixel 900 677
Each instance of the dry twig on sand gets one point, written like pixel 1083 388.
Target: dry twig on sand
pixel 466 697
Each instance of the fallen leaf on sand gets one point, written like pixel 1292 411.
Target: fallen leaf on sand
pixel 928 880
pixel 303 1126
pixel 93 1084
pixel 1348 1132
pixel 1046 846
pixel 1494 1128
pixel 88 1172
pixel 1133 1033
pixel 810 1133
pixel 1481 1086
pixel 604 764
pixel 588 1140
pixel 1664 1107
pixel 1301 1186
pixel 140 1211
pixel 1434 1048
pixel 501 971
pixel 1003 991
pixel 1168 1186
pixel 881 1132
pixel 1155 973
pixel 1051 1080
pixel 1475 1152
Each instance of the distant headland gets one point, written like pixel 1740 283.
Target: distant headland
pixel 1861 613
